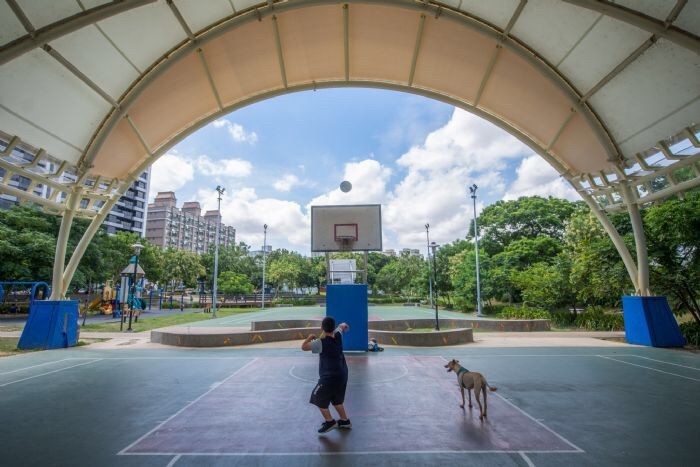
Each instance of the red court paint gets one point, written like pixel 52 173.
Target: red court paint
pixel 396 404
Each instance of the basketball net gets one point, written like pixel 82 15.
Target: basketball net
pixel 346 243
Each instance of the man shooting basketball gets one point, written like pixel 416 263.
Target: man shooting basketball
pixel 332 373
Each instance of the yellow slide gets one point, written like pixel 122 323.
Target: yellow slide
pixel 95 304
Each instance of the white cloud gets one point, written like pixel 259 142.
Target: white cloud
pixel 466 150
pixel 369 181
pixel 244 210
pixel 286 183
pixel 236 131
pixel 169 173
pixel 536 177
pixel 237 168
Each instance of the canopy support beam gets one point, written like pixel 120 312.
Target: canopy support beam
pixel 51 32
pixel 615 237
pixel 640 241
pixel 62 243
pixel 635 18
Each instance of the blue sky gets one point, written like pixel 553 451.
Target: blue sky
pixel 413 155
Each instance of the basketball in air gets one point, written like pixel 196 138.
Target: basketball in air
pixel 345 186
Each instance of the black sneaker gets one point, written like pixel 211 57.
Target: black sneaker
pixel 328 426
pixel 344 424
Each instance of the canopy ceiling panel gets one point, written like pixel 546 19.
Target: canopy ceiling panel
pixel 239 5
pixel 120 152
pixel 689 19
pixel 453 59
pixel 10 27
pixel 382 41
pixel 41 13
pixel 661 82
pixel 40 138
pixel 244 61
pixel 520 95
pixel 543 19
pixel 180 96
pixel 553 54
pixel 496 12
pixel 144 34
pixel 101 62
pixel 606 45
pixel 579 147
pixel 58 103
pixel 312 45
pixel 655 8
pixel 199 18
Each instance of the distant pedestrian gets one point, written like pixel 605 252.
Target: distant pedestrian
pixel 332 374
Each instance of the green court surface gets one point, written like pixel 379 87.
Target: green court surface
pixel 249 406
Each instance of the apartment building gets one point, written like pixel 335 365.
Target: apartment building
pixel 184 228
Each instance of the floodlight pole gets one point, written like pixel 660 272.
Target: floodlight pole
pixel 434 246
pixel 473 189
pixel 264 255
pixel 430 275
pixel 220 190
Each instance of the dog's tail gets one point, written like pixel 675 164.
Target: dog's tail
pixel 491 388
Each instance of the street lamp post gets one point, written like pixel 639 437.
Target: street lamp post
pixel 434 246
pixel 472 190
pixel 137 251
pixel 430 276
pixel 220 190
pixel 264 255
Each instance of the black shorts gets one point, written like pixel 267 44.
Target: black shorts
pixel 326 393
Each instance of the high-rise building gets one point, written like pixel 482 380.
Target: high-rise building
pixel 127 215
pixel 184 228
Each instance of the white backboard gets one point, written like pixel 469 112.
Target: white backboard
pixel 324 220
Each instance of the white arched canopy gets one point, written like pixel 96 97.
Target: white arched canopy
pixel 608 93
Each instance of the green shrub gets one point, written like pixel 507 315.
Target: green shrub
pixel 691 333
pixel 512 312
pixel 595 319
pixel 563 318
pixel 385 300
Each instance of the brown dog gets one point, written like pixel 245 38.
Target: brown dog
pixel 471 380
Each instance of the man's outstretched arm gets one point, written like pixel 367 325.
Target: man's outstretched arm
pixel 306 345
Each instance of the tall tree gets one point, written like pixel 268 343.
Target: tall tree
pixel 673 233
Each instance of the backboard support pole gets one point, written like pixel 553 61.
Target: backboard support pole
pixel 364 273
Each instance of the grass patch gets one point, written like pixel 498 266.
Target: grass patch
pixel 8 346
pixel 147 324
pixel 11 327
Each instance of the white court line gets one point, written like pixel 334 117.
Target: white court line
pixel 49 372
pixel 122 452
pixel 526 459
pixel 173 460
pixel 342 453
pixel 667 363
pixel 650 368
pixel 404 373
pixel 34 366
pixel 578 449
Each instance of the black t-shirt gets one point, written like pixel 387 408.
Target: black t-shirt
pixel 331 364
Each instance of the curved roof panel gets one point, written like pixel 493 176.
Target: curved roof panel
pixel 111 85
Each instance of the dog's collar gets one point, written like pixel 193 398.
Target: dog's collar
pixel 462 370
